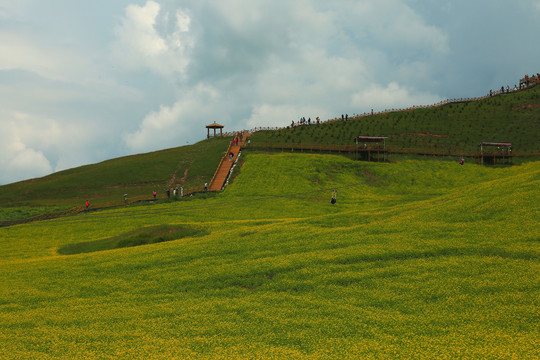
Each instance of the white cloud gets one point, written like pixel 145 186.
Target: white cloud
pixel 19 159
pixel 182 120
pixel 19 52
pixel 396 24
pixel 393 95
pixel 33 145
pixel 140 46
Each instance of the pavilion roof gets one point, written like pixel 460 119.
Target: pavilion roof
pixel 371 138
pixel 496 144
pixel 214 126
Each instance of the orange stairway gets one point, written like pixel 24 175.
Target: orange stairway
pixel 226 163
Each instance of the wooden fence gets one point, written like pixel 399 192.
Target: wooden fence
pixel 321 148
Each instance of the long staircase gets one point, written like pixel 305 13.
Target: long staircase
pixel 226 163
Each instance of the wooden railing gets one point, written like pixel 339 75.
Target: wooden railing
pixel 224 158
pixel 388 149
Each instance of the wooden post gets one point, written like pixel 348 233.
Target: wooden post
pixel 481 154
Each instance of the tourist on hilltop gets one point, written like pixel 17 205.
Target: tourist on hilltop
pixel 154 193
pixel 87 204
pixel 205 187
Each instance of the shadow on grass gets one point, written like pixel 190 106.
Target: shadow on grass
pixel 143 236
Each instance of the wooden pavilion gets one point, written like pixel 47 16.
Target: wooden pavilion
pixel 367 152
pixel 495 152
pixel 214 126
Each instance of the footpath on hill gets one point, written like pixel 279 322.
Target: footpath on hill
pixel 225 166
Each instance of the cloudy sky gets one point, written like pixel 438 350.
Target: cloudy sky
pixel 85 81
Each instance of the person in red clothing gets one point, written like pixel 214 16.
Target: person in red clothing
pixel 87 204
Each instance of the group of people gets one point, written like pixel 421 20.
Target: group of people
pixel 238 138
pixel 526 81
pixel 523 83
pixel 303 121
pixel 176 192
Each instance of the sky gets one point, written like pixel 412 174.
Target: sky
pixel 86 81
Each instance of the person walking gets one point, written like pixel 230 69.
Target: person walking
pixel 87 204
pixel 154 193
pixel 205 186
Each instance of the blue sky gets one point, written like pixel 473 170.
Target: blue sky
pixel 86 81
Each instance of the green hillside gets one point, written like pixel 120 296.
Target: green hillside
pixel 417 259
pixel 138 175
pixel 513 117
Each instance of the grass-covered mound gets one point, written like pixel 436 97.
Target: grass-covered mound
pixel 138 175
pixel 417 259
pixel 143 236
pixel 513 117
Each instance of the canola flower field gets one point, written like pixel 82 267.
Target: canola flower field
pixel 417 259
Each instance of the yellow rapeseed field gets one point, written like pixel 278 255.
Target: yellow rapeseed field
pixel 417 259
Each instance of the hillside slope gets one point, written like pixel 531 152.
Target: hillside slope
pixel 417 259
pixel 187 166
pixel 513 117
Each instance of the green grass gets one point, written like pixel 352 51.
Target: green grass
pixel 457 127
pixel 137 175
pixel 417 259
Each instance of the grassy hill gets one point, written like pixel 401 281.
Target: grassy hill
pixel 138 175
pixel 513 117
pixel 418 259
pixel 457 128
